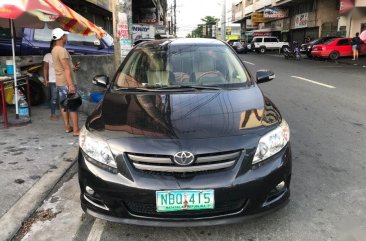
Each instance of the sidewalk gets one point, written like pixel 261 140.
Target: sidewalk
pixel 33 157
pixel 348 60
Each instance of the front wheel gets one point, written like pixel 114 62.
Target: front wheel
pixel 262 50
pixel 334 55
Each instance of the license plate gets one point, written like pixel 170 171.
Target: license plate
pixel 180 200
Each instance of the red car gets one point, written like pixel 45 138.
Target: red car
pixel 335 48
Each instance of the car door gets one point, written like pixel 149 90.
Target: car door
pixel 362 50
pixel 274 43
pixel 344 47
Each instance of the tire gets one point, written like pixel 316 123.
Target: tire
pixel 283 48
pixel 262 50
pixel 334 55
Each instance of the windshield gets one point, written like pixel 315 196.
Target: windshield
pixel 163 65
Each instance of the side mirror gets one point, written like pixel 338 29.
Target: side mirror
pixel 265 75
pixel 97 42
pixel 101 80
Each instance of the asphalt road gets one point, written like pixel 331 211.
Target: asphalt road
pixel 325 106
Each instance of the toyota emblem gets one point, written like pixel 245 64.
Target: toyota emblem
pixel 183 158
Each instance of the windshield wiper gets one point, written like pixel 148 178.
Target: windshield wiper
pixel 135 89
pixel 197 87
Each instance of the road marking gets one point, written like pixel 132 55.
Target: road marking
pixel 97 230
pixel 248 62
pixel 314 82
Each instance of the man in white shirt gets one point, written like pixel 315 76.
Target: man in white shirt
pixel 50 80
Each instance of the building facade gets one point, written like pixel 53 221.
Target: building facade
pixel 295 20
pixel 148 16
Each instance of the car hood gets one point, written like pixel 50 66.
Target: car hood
pixel 182 115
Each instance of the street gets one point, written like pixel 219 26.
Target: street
pixel 324 104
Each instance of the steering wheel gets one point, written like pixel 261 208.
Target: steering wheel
pixel 217 73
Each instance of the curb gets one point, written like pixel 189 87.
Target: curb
pixel 13 219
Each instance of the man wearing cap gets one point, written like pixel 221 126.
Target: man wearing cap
pixel 65 78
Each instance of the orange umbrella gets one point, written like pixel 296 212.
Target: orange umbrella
pixel 71 21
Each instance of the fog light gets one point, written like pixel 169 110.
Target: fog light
pixel 280 186
pixel 89 190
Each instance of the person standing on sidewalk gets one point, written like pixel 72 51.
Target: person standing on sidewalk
pixel 50 80
pixel 65 78
pixel 356 44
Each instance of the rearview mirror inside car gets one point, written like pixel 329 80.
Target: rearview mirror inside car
pixel 265 75
pixel 101 80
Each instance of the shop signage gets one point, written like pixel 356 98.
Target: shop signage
pixel 345 6
pixel 160 29
pixel 301 20
pixel 142 31
pixel 259 34
pixel 275 13
pixel 122 30
pixel 277 25
pixel 148 15
pixel 259 18
pixel 250 25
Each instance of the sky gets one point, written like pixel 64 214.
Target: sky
pixel 190 12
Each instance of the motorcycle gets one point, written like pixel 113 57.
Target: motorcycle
pixel 292 53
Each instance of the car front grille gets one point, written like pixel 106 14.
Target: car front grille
pixel 163 164
pixel 149 210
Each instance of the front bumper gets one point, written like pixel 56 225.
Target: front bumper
pixel 241 193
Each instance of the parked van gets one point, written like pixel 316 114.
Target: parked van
pixel 37 42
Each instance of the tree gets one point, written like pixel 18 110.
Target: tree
pixel 189 36
pixel 198 32
pixel 210 20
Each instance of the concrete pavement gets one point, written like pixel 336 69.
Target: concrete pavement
pixel 33 158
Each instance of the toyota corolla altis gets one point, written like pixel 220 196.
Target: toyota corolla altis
pixel 184 137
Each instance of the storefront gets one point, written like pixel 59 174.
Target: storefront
pixel 352 19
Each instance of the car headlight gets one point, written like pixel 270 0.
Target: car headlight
pixel 96 148
pixel 272 142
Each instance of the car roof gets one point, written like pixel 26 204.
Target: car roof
pixel 336 39
pixel 182 41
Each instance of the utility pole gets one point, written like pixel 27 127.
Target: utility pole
pixel 171 20
pixel 158 11
pixel 175 18
pixel 223 20
pixel 122 30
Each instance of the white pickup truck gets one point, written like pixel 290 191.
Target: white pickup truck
pixel 264 43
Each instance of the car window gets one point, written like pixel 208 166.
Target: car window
pixel 44 35
pixel 267 40
pixel 180 65
pixel 274 40
pixel 343 42
pixel 329 41
pixel 258 40
pixel 6 34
